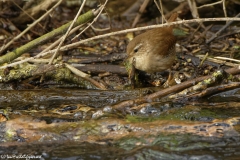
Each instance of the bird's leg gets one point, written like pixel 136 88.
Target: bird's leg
pixel 173 79
pixel 170 77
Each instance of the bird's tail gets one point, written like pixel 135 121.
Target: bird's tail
pixel 173 17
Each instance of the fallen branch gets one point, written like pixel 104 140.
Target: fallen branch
pixel 167 91
pixel 214 90
pixel 216 77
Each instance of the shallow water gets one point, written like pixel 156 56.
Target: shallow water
pixel 165 130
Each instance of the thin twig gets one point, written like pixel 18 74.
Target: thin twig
pixel 94 20
pixel 66 34
pixel 161 6
pixel 204 58
pixel 211 4
pixel 229 59
pixel 100 29
pixel 212 90
pixel 223 28
pixel 160 9
pixel 76 71
pixel 58 41
pixel 218 61
pixel 85 76
pixel 193 8
pixel 224 8
pixel 139 14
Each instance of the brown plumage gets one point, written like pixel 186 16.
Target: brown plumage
pixel 154 50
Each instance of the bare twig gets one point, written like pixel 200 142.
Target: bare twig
pixel 94 20
pixel 204 58
pixel 66 34
pixel 58 41
pixel 224 8
pixel 139 14
pixel 85 76
pixel 160 9
pixel 100 29
pixel 193 8
pixel 214 90
pixel 217 61
pixel 76 71
pixel 228 59
pixel 215 3
pixel 211 4
pixel 218 32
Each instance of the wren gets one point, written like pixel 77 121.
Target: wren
pixel 154 50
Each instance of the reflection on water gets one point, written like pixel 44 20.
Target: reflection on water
pixel 191 148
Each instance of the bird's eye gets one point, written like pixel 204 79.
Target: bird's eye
pixel 137 47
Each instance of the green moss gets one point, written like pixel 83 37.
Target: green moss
pixel 217 74
pixel 188 113
pixel 135 119
pixel 10 134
